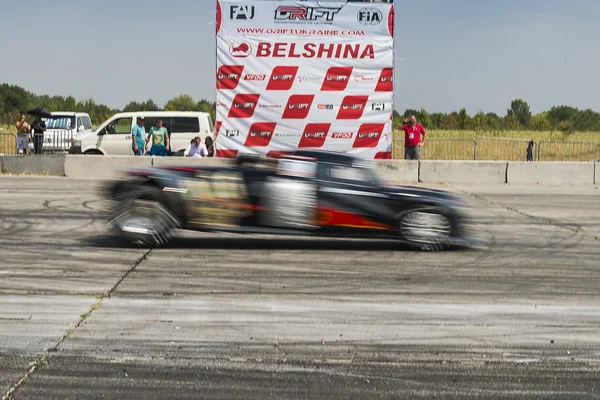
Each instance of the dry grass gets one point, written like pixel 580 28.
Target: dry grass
pixel 505 145
pixel 8 139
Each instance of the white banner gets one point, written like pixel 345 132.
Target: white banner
pixel 294 74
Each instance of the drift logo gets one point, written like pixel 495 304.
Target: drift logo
pixel 240 50
pixel 369 16
pixel 368 135
pixel 282 78
pixel 243 105
pixel 352 107
pixel 336 79
pixel 228 76
pixel 255 77
pixel 342 135
pixel 298 106
pixel 314 135
pixel 305 14
pixel 260 134
pixel 385 82
pixel 241 12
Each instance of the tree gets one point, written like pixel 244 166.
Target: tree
pixel 464 121
pixel 520 109
pixel 184 102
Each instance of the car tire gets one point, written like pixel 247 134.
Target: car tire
pixel 93 153
pixel 430 229
pixel 139 215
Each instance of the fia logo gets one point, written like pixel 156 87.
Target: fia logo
pixel 244 12
pixel 369 16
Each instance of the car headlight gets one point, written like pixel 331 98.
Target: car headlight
pixel 77 143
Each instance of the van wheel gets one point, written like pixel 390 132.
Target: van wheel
pixel 93 153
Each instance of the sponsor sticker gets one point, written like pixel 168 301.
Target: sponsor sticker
pixel 298 106
pixel 314 135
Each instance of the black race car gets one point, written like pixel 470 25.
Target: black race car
pixel 303 192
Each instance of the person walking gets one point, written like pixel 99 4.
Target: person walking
pixel 196 149
pixel 38 127
pixel 22 134
pixel 412 139
pixel 138 136
pixel 160 139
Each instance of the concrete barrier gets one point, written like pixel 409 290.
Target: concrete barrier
pixel 34 165
pixel 551 173
pixel 191 162
pixel 597 173
pixel 89 166
pixel 492 172
pixel 398 171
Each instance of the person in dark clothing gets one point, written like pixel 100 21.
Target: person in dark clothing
pixel 210 146
pixel 38 127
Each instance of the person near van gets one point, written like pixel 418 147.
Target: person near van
pixel 196 149
pixel 22 135
pixel 160 139
pixel 38 127
pixel 210 146
pixel 138 137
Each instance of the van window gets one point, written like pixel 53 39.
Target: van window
pixel 151 121
pixel 119 126
pixel 210 124
pixel 87 123
pixel 185 124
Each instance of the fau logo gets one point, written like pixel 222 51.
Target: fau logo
pixel 385 81
pixel 352 107
pixel 255 77
pixel 291 13
pixel 298 106
pixel 336 79
pixel 260 134
pixel 314 135
pixel 282 78
pixel 342 135
pixel 243 105
pixel 368 135
pixel 228 76
pixel 244 12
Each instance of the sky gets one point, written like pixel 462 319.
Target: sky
pixel 477 54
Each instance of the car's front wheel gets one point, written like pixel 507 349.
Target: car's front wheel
pixel 430 229
pixel 139 215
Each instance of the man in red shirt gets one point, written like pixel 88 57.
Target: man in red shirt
pixel 412 139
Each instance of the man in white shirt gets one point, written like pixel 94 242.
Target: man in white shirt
pixel 196 149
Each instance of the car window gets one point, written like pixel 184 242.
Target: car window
pixel 119 126
pixel 349 173
pixel 151 121
pixel 79 123
pixel 87 123
pixel 211 126
pixel 185 124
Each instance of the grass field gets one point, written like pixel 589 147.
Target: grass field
pixel 466 145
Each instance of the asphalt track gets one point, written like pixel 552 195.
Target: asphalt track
pixel 236 317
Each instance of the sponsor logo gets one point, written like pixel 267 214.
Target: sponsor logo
pixel 305 14
pixel 352 107
pixel 228 76
pixel 385 82
pixel 269 106
pixel 378 106
pixel 231 132
pixel 342 135
pixel 286 134
pixel 368 135
pixel 336 78
pixel 325 107
pixel 363 78
pixel 243 105
pixel 369 16
pixel 298 106
pixel 260 134
pixel 221 104
pixel 309 50
pixel 244 12
pixel 240 50
pixel 255 77
pixel 314 135
pixel 282 78
pixel 308 78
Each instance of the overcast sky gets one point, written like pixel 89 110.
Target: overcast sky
pixel 477 54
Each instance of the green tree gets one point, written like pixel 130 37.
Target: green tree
pixel 464 121
pixel 520 109
pixel 183 102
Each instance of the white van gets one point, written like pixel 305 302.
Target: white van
pixel 62 128
pixel 182 126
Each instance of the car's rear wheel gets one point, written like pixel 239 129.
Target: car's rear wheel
pixel 139 216
pixel 430 229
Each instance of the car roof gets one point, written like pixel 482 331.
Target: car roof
pixel 160 114
pixel 68 113
pixel 327 156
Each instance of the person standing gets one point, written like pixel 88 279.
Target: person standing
pixel 22 135
pixel 412 139
pixel 160 139
pixel 138 136
pixel 38 127
pixel 196 149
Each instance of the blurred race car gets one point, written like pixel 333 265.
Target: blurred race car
pixel 304 192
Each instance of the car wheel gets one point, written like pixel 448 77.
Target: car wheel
pixel 138 215
pixel 429 229
pixel 93 153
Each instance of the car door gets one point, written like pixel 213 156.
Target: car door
pixel 115 138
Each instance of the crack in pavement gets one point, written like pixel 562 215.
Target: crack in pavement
pixel 45 358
